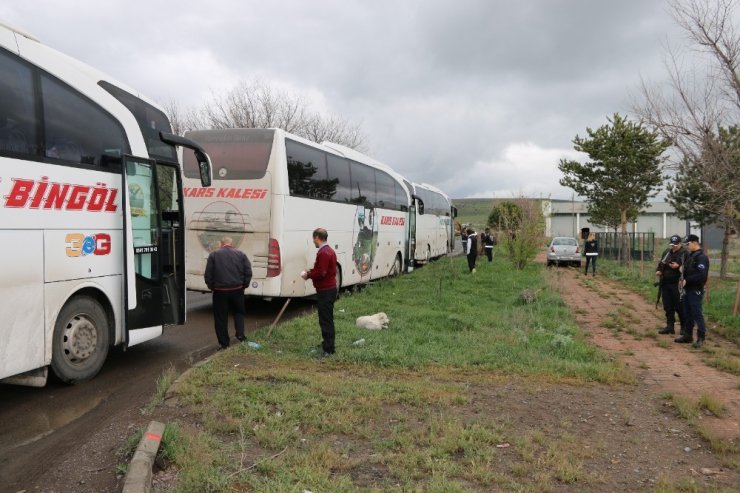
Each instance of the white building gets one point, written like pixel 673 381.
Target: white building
pixel 568 218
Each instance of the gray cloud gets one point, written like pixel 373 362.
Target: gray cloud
pixel 479 97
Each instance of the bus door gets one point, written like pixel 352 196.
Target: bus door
pixel 154 253
pixel 411 242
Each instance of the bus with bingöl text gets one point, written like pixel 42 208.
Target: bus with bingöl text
pixel 271 189
pixel 91 215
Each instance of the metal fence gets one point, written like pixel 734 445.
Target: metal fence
pixel 641 245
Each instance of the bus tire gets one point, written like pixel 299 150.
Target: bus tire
pixel 81 340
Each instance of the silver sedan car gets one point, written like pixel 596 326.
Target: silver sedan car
pixel 563 250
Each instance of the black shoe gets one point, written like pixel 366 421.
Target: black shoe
pixel 241 338
pixel 221 348
pixel 699 343
pixel 667 330
pixel 326 355
pixel 683 340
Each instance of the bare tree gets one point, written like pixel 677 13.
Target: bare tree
pixel 256 104
pixel 699 103
pixel 181 119
pixel 331 128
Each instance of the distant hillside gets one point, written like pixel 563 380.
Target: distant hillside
pixel 475 211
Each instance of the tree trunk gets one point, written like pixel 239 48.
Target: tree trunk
pixel 725 252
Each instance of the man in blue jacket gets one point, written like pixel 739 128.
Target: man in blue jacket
pixel 695 274
pixel 228 272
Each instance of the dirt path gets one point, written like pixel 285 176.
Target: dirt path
pixel 623 323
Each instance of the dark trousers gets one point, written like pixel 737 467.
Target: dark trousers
pixel 325 306
pixel 672 304
pixel 489 253
pixel 692 299
pixel 471 260
pixel 223 303
pixel 590 259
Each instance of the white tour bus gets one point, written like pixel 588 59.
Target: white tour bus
pixel 91 216
pixel 435 235
pixel 272 189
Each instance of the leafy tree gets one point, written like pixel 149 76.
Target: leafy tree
pixel 505 216
pixel 690 196
pixel 522 223
pixel 624 171
pixel 605 214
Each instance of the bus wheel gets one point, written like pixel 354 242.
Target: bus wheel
pixel 396 269
pixel 81 340
pixel 428 256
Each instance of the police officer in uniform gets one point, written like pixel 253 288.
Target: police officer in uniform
pixel 668 272
pixel 695 273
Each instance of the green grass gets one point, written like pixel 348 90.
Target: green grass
pixel 397 412
pixel 163 384
pixel 449 317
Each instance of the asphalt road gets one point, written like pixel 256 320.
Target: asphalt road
pixel 41 429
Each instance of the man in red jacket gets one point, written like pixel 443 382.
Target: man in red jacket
pixel 324 278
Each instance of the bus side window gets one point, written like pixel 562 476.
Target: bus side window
pixel 76 129
pixel 17 107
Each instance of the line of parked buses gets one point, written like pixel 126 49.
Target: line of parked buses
pixel 104 223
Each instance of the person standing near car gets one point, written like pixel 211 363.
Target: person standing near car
pixel 591 249
pixel 669 273
pixel 695 274
pixel 324 278
pixel 228 272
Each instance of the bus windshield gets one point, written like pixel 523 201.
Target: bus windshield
pixel 151 121
pixel 235 154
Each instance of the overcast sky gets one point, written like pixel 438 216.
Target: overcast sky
pixel 478 97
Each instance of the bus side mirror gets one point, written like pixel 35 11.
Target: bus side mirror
pixel 204 162
pixel 204 168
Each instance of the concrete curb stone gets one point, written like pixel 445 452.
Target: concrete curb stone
pixel 139 475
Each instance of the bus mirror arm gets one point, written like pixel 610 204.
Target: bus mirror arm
pixel 204 162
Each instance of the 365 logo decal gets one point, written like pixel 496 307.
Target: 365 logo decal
pixel 80 245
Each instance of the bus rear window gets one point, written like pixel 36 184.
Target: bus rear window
pixel 236 154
